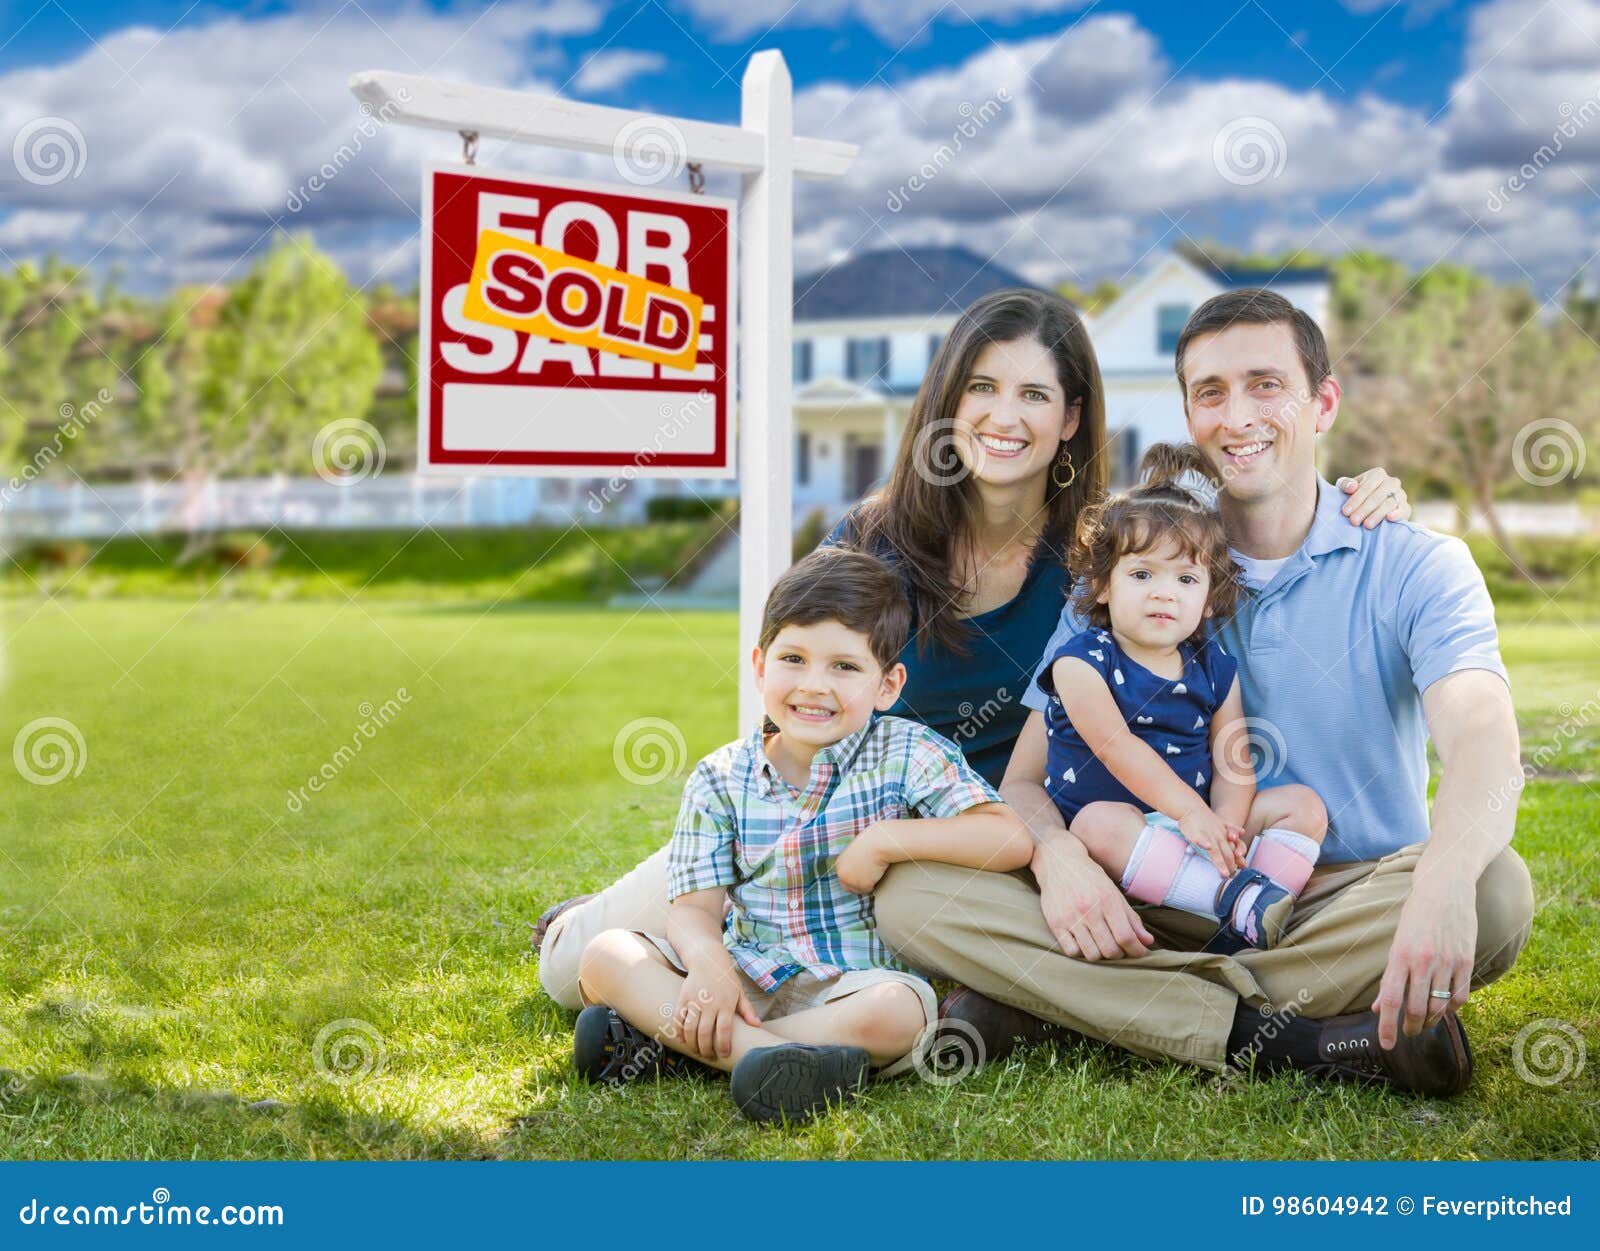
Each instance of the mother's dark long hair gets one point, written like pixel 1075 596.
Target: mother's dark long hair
pixel 931 501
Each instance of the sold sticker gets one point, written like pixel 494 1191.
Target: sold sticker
pixel 524 286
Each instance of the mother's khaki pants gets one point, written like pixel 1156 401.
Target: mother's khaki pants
pixel 635 901
pixel 986 930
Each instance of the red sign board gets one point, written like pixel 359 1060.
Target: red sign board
pixel 573 330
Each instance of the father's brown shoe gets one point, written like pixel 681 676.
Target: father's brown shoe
pixel 1436 1062
pixel 970 1022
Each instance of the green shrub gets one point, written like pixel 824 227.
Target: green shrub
pixel 239 550
pixel 52 554
pixel 687 507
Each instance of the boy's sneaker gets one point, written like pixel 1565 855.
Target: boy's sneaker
pixel 1263 923
pixel 605 1048
pixel 797 1081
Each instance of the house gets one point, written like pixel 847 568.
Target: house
pixel 866 328
pixel 1136 335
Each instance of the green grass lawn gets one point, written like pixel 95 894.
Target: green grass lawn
pixel 176 932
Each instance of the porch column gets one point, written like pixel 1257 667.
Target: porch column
pixel 891 436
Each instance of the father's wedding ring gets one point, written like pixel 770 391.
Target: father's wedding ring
pixel 1439 994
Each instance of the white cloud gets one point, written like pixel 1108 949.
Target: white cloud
pixel 1062 155
pixel 892 19
pixel 1515 188
pixel 611 68
pixel 196 139
pixel 1056 170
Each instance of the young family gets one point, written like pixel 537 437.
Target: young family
pixel 1012 738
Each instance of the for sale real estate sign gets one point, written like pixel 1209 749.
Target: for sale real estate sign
pixel 570 329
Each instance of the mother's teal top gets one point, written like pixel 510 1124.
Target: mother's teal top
pixel 975 700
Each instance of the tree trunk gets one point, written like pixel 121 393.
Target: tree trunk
pixel 1502 539
pixel 196 535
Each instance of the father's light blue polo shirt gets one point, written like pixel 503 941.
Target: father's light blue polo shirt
pixel 1334 654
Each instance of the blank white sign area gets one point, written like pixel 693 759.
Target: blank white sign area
pixel 513 418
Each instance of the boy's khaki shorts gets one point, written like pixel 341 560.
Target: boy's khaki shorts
pixel 807 990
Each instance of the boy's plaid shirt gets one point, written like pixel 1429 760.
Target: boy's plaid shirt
pixel 743 827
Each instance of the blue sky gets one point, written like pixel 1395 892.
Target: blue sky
pixel 1111 130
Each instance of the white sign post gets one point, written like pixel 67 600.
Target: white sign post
pixel 768 155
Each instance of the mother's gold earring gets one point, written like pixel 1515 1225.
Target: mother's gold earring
pixel 1064 461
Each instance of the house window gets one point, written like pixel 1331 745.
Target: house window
pixel 802 459
pixel 1170 319
pixel 802 360
pixel 1129 438
pixel 866 358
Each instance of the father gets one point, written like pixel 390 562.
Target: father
pixel 1350 640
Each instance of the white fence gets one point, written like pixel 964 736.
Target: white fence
pixel 1558 518
pixel 412 501
pixel 387 501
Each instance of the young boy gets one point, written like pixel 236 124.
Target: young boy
pixel 795 995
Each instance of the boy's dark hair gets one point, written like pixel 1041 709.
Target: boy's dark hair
pixel 857 590
pixel 1256 306
pixel 1156 511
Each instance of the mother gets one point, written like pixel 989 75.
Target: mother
pixel 1006 441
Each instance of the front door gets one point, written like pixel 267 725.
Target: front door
pixel 863 465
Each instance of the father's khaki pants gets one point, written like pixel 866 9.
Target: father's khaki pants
pixel 986 931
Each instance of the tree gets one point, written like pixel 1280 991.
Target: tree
pixel 1582 304
pixel 291 351
pixel 171 424
pixel 1092 300
pixel 242 381
pixel 1462 384
pixel 56 359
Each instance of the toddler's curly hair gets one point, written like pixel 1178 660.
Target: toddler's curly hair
pixel 1157 511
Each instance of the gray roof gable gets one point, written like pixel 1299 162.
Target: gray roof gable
pixel 895 282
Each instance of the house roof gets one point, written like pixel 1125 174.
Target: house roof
pixel 896 282
pixel 1264 275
